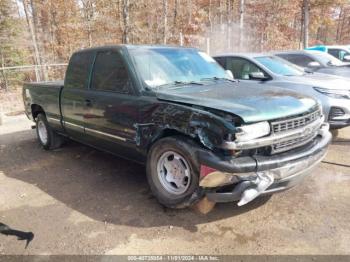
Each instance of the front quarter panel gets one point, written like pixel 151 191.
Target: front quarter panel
pixel 162 118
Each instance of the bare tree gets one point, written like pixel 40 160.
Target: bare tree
pixel 210 19
pixel 89 14
pixel 3 73
pixel 229 20
pixel 37 59
pixel 165 20
pixel 241 23
pixel 126 25
pixel 306 9
pixel 339 24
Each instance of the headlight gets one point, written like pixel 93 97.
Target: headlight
pixel 336 93
pixel 249 132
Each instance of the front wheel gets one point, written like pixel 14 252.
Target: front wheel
pixel 48 138
pixel 335 132
pixel 172 171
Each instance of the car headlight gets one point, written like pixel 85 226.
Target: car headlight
pixel 336 93
pixel 248 132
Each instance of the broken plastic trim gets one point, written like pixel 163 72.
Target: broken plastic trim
pixel 262 182
pixel 251 185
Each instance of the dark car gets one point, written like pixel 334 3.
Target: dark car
pixel 316 61
pixel 198 132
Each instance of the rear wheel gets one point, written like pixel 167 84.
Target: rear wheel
pixel 172 171
pixel 48 138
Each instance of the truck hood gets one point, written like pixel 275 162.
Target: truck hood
pixel 249 101
pixel 321 80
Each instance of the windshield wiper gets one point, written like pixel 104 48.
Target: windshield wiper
pixel 188 83
pixel 215 78
pixel 179 84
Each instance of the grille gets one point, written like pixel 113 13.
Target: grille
pixel 286 145
pixel 292 124
pixel 295 123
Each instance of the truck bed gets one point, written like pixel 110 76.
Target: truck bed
pixel 56 84
pixel 45 94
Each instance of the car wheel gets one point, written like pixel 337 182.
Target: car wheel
pixel 172 171
pixel 48 138
pixel 335 133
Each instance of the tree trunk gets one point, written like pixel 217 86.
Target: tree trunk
pixel 190 11
pixel 88 10
pixel 36 27
pixel 126 21
pixel 229 17
pixel 175 18
pixel 241 24
pixel 210 17
pixel 3 73
pixel 37 60
pixel 339 23
pixel 165 20
pixel 306 23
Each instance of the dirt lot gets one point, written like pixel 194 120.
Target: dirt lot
pixel 77 200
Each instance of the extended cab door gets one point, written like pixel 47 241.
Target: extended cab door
pixel 73 96
pixel 112 109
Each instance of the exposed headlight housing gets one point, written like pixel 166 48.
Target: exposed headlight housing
pixel 335 93
pixel 252 131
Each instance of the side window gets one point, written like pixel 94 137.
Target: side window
pixel 342 55
pixel 241 68
pixel 221 61
pixel 110 73
pixel 335 53
pixel 78 71
pixel 300 60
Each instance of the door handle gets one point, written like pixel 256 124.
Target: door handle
pixel 88 102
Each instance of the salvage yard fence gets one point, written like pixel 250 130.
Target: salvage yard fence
pixel 14 76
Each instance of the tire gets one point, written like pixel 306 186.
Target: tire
pixel 174 187
pixel 48 138
pixel 335 132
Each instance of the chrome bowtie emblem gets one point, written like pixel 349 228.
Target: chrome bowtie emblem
pixel 307 131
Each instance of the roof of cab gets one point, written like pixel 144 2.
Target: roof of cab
pixel 298 52
pixel 247 55
pixel 108 47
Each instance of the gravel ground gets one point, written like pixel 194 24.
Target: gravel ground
pixel 77 200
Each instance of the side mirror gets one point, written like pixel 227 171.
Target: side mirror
pixel 346 58
pixel 314 64
pixel 229 74
pixel 258 76
pixel 308 70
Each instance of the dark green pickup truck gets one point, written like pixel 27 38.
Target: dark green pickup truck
pixel 199 132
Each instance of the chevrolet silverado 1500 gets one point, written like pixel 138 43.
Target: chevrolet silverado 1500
pixel 199 132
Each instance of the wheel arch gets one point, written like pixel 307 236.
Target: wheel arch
pixel 172 132
pixel 207 128
pixel 36 110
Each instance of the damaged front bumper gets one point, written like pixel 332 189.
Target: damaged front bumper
pixel 226 179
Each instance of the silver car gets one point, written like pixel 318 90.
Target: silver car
pixel 332 91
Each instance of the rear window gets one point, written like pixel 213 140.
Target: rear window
pixel 78 71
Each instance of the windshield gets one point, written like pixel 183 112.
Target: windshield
pixel 167 66
pixel 328 59
pixel 280 66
